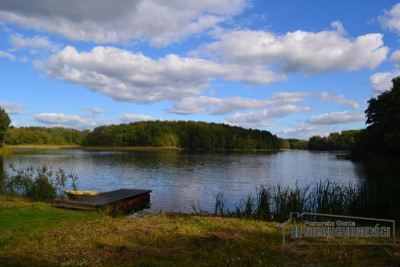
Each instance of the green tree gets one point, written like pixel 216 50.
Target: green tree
pixel 383 112
pixel 382 136
pixel 4 123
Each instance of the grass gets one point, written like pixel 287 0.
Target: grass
pixel 121 148
pixel 34 233
pixel 92 148
pixel 55 147
pixel 6 151
pixel 126 148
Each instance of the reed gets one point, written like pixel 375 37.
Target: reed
pixel 40 184
pixel 275 202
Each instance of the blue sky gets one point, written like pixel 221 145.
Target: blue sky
pixel 295 68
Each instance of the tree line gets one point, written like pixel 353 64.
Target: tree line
pixel 346 140
pixel 381 138
pixel 44 136
pixel 184 134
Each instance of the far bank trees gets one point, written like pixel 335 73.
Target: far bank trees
pixel 4 123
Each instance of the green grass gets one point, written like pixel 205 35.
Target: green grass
pixel 37 234
pixel 6 151
pixel 52 147
pixel 19 218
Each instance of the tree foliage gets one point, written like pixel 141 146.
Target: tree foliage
pixel 346 140
pixel 4 123
pixel 44 136
pixel 382 136
pixel 298 143
pixel 183 134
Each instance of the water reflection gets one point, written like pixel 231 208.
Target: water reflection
pixel 180 178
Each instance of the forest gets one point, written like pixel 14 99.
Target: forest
pixel 44 136
pixel 183 134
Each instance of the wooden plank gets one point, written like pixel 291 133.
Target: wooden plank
pixel 70 204
pixel 127 197
pixel 113 196
pixel 82 192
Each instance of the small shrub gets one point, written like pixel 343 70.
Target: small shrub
pixel 40 184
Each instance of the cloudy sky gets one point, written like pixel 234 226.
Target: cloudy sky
pixel 295 68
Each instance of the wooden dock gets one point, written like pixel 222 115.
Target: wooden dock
pixel 123 198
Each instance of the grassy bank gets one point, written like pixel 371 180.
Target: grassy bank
pixel 92 148
pixel 123 148
pixel 41 146
pixel 127 148
pixel 37 234
pixel 6 151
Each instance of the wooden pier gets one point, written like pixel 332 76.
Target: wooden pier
pixel 124 199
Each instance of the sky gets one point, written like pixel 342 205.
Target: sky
pixel 294 68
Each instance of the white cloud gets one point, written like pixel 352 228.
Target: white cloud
pixel 127 118
pixel 104 21
pixel 339 27
pixel 7 55
pixel 261 118
pixel 339 99
pixel 220 106
pixel 69 121
pixel 299 51
pixel 93 112
pixel 34 44
pixel 391 19
pixel 337 118
pixel 11 108
pixel 62 120
pixel 382 81
pixel 395 57
pixel 303 132
pixel 79 122
pixel 126 76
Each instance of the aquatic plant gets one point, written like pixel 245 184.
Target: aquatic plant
pixel 275 202
pixel 39 184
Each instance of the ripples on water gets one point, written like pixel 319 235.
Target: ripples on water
pixel 180 178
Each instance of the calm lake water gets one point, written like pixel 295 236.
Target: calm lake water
pixel 180 178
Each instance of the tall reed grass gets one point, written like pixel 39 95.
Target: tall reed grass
pixel 275 202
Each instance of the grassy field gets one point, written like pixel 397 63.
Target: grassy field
pixel 37 234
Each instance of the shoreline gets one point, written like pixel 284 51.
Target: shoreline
pixel 130 148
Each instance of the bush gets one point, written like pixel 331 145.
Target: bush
pixel 40 184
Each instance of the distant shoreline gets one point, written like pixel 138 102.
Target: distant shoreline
pixel 117 148
pixel 92 148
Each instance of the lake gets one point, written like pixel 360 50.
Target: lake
pixel 180 178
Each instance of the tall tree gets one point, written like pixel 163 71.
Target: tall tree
pixel 382 136
pixel 384 111
pixel 4 123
